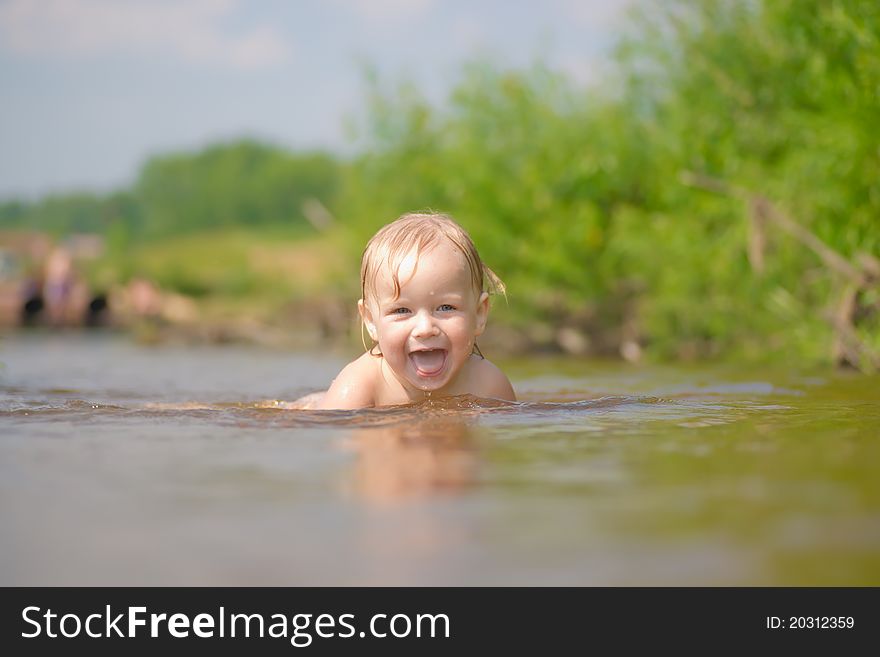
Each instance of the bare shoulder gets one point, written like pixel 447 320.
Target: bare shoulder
pixel 354 386
pixel 491 381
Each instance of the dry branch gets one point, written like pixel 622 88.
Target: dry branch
pixel 858 276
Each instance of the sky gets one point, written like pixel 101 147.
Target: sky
pixel 89 89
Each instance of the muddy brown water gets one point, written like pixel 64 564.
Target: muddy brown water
pixel 123 464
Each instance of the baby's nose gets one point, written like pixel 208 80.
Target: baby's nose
pixel 425 324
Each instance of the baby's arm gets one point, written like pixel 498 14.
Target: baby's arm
pixel 353 387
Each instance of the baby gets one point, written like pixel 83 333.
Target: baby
pixel 423 302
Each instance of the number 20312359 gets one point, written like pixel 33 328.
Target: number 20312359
pixel 810 623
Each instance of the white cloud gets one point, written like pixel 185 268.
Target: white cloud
pixel 192 31
pixel 585 70
pixel 388 11
pixel 468 33
pixel 606 14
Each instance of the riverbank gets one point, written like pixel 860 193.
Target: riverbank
pixel 287 288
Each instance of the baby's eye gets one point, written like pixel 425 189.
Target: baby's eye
pixel 446 307
pixel 399 311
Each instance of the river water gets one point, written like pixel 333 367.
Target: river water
pixel 123 464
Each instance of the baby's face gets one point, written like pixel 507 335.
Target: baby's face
pixel 427 333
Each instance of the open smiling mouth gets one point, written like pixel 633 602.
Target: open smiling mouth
pixel 428 362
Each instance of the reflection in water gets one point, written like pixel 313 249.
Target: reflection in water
pixel 404 473
pixel 413 459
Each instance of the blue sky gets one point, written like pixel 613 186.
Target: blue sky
pixel 90 88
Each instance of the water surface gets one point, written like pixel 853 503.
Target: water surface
pixel 131 465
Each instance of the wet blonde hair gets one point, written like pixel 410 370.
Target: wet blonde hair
pixel 421 231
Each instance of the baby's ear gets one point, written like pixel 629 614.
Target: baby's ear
pixel 482 313
pixel 367 319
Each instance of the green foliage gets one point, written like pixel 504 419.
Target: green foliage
pixel 241 184
pixel 244 184
pixel 780 99
pixel 576 198
pixel 57 215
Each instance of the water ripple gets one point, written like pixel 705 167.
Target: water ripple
pixel 275 413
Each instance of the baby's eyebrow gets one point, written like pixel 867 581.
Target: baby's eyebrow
pixel 457 297
pixel 392 303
